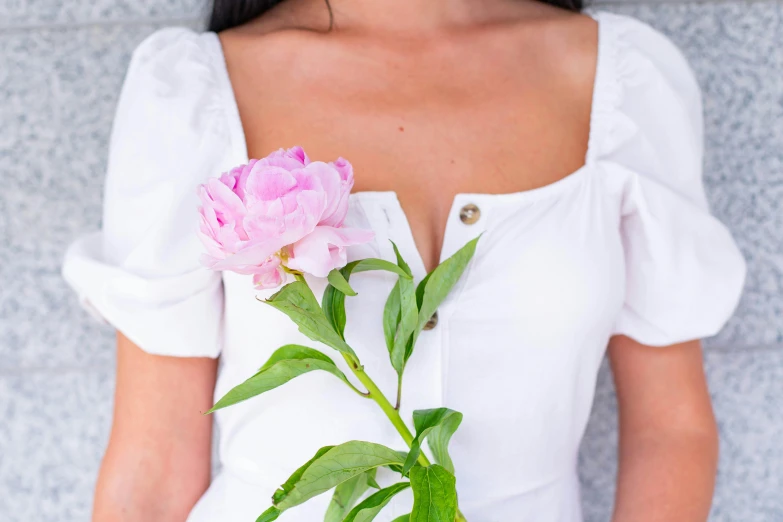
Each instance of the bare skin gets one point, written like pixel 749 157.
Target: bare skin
pixel 428 98
pixel 157 463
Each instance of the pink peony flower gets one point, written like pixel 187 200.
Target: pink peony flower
pixel 283 212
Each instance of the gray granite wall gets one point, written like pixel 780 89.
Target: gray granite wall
pixel 61 67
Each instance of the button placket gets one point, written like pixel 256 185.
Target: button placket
pixel 467 220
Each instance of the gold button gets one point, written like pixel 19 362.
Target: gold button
pixel 469 214
pixel 432 323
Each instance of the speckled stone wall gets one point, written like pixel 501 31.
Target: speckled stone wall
pixel 61 67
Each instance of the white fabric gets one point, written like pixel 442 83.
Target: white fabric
pixel 625 245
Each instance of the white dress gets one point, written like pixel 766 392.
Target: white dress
pixel 624 245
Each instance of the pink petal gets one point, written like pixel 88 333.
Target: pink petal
pixel 290 159
pixel 241 174
pixel 311 207
pixel 207 261
pixel 329 180
pixel 229 179
pixel 324 249
pixel 269 275
pixel 229 241
pixel 266 183
pixel 249 258
pixel 336 217
pixel 208 239
pixel 227 205
pixel 299 154
pixel 269 280
pixel 308 178
pixel 262 227
pixel 345 169
pixel 209 218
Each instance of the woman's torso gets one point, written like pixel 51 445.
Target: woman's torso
pixel 432 127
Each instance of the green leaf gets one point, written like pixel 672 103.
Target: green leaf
pixel 297 301
pixel 369 508
pixel 408 322
pixel 420 290
pixel 283 491
pixel 334 300
pixel 408 317
pixel 404 518
pixel 286 363
pixel 439 439
pixel 400 261
pixel 332 467
pixel 269 515
pixel 434 494
pixel 438 283
pixel 425 422
pixel 371 480
pixel 391 316
pixel 338 280
pixel 397 467
pixel 371 263
pixel 333 305
pixel 347 494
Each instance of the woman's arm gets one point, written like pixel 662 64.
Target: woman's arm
pixel 157 463
pixel 668 436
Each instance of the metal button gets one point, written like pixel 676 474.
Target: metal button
pixel 469 214
pixel 432 323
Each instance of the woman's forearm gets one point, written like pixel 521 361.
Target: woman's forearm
pixel 133 487
pixel 666 477
pixel 157 463
pixel 668 433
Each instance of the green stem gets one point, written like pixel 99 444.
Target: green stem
pixel 393 415
pixel 391 412
pixel 399 392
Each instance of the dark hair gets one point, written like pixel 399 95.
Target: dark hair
pixel 231 13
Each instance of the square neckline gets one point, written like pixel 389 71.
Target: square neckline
pixel 572 179
pixel 239 141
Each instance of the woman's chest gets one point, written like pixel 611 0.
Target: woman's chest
pixel 426 135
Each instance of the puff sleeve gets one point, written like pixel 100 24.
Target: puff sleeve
pixel 141 272
pixel 684 272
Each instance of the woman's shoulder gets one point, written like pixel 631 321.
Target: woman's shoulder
pixel 175 107
pixel 638 51
pixel 175 68
pixel 642 74
pixel 169 51
pixel 176 77
pixel 647 108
